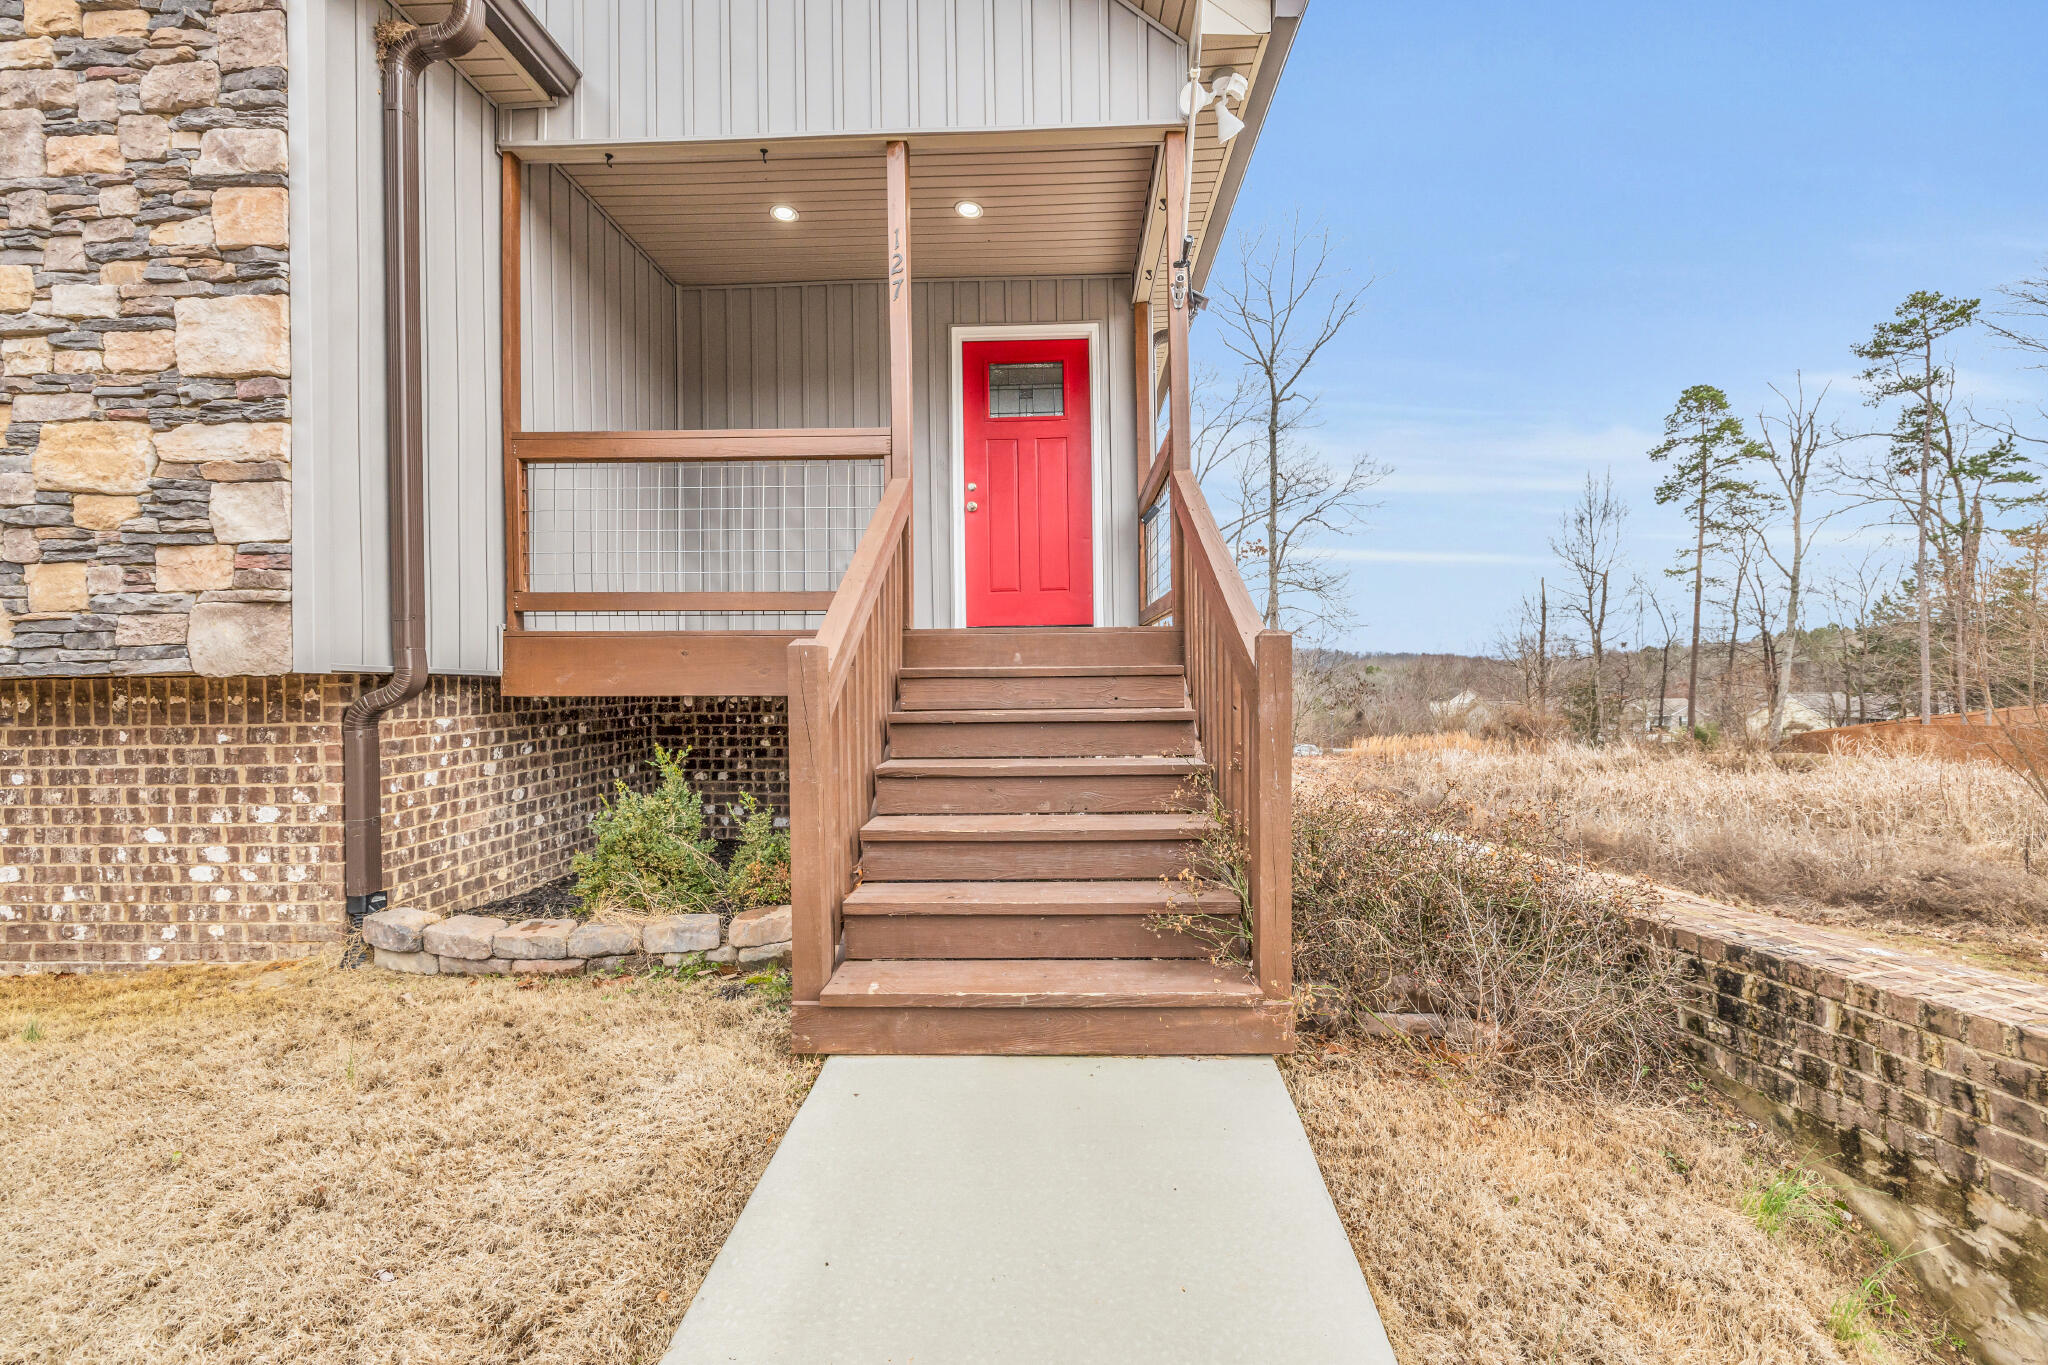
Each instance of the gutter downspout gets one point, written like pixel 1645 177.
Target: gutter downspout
pixel 405 454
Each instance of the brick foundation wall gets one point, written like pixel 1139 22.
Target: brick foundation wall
pixel 157 820
pixel 1923 1083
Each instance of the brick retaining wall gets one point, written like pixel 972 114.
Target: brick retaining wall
pixel 194 819
pixel 1923 1082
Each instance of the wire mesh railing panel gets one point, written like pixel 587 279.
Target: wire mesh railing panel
pixel 695 526
pixel 1156 532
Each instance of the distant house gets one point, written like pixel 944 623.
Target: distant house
pixel 1674 714
pixel 1467 711
pixel 1799 717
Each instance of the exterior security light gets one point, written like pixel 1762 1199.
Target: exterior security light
pixel 1229 85
pixel 967 208
pixel 783 213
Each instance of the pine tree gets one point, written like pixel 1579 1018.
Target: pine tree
pixel 1902 365
pixel 1705 443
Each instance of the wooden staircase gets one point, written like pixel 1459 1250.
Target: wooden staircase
pixel 1031 817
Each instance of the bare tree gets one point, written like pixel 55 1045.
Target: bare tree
pixel 1226 422
pixel 1588 544
pixel 1278 512
pixel 1790 444
pixel 2024 320
pixel 1650 604
pixel 1524 645
pixel 1288 302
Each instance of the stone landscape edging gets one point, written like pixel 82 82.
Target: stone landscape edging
pixel 422 943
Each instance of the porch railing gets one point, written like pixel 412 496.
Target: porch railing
pixel 1241 680
pixel 842 683
pixel 624 528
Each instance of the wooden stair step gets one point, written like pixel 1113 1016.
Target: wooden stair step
pixel 1036 982
pixel 1036 898
pixel 1091 646
pixel 1044 1032
pixel 1044 733
pixel 1062 829
pixel 1118 715
pixel 1037 689
pixel 952 937
pixel 1046 671
pixel 1078 766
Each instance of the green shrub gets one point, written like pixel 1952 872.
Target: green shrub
pixel 652 855
pixel 758 874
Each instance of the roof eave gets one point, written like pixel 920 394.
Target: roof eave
pixel 527 41
pixel 1278 45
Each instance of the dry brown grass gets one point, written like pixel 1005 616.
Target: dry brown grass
pixel 1898 843
pixel 223 1165
pixel 1554 1230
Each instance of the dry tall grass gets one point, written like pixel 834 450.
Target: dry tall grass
pixel 313 1165
pixel 1556 1230
pixel 1863 838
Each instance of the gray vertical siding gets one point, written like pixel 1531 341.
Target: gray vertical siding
pixel 340 616
pixel 671 70
pixel 815 355
pixel 599 323
pixel 598 318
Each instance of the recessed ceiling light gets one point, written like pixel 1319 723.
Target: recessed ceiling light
pixel 783 213
pixel 967 208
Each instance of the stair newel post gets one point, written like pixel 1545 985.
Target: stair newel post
pixel 813 842
pixel 1272 832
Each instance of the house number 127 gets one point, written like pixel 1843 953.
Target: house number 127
pixel 897 270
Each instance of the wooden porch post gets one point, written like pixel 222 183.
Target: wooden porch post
pixel 1141 380
pixel 510 382
pixel 902 379
pixel 1180 417
pixel 900 388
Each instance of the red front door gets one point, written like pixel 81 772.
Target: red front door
pixel 1027 490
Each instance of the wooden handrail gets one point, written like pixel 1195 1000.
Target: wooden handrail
pixel 854 603
pixel 796 443
pixel 1241 681
pixel 842 683
pixel 1209 554
pixel 1161 464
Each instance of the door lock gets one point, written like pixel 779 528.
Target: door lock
pixel 973 506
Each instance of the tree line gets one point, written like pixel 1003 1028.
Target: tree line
pixel 1947 616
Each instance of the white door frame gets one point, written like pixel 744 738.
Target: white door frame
pixel 1098 444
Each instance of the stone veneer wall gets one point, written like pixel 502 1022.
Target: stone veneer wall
pixel 1924 1082
pixel 153 820
pixel 145 502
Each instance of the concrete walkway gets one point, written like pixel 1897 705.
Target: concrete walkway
pixel 947 1210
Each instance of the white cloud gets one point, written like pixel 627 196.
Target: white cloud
pixel 1362 555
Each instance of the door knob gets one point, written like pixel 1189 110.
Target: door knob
pixel 973 506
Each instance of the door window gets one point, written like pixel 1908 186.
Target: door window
pixel 1038 389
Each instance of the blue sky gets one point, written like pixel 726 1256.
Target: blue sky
pixel 1574 211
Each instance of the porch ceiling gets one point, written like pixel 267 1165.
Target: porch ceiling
pixel 1048 211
